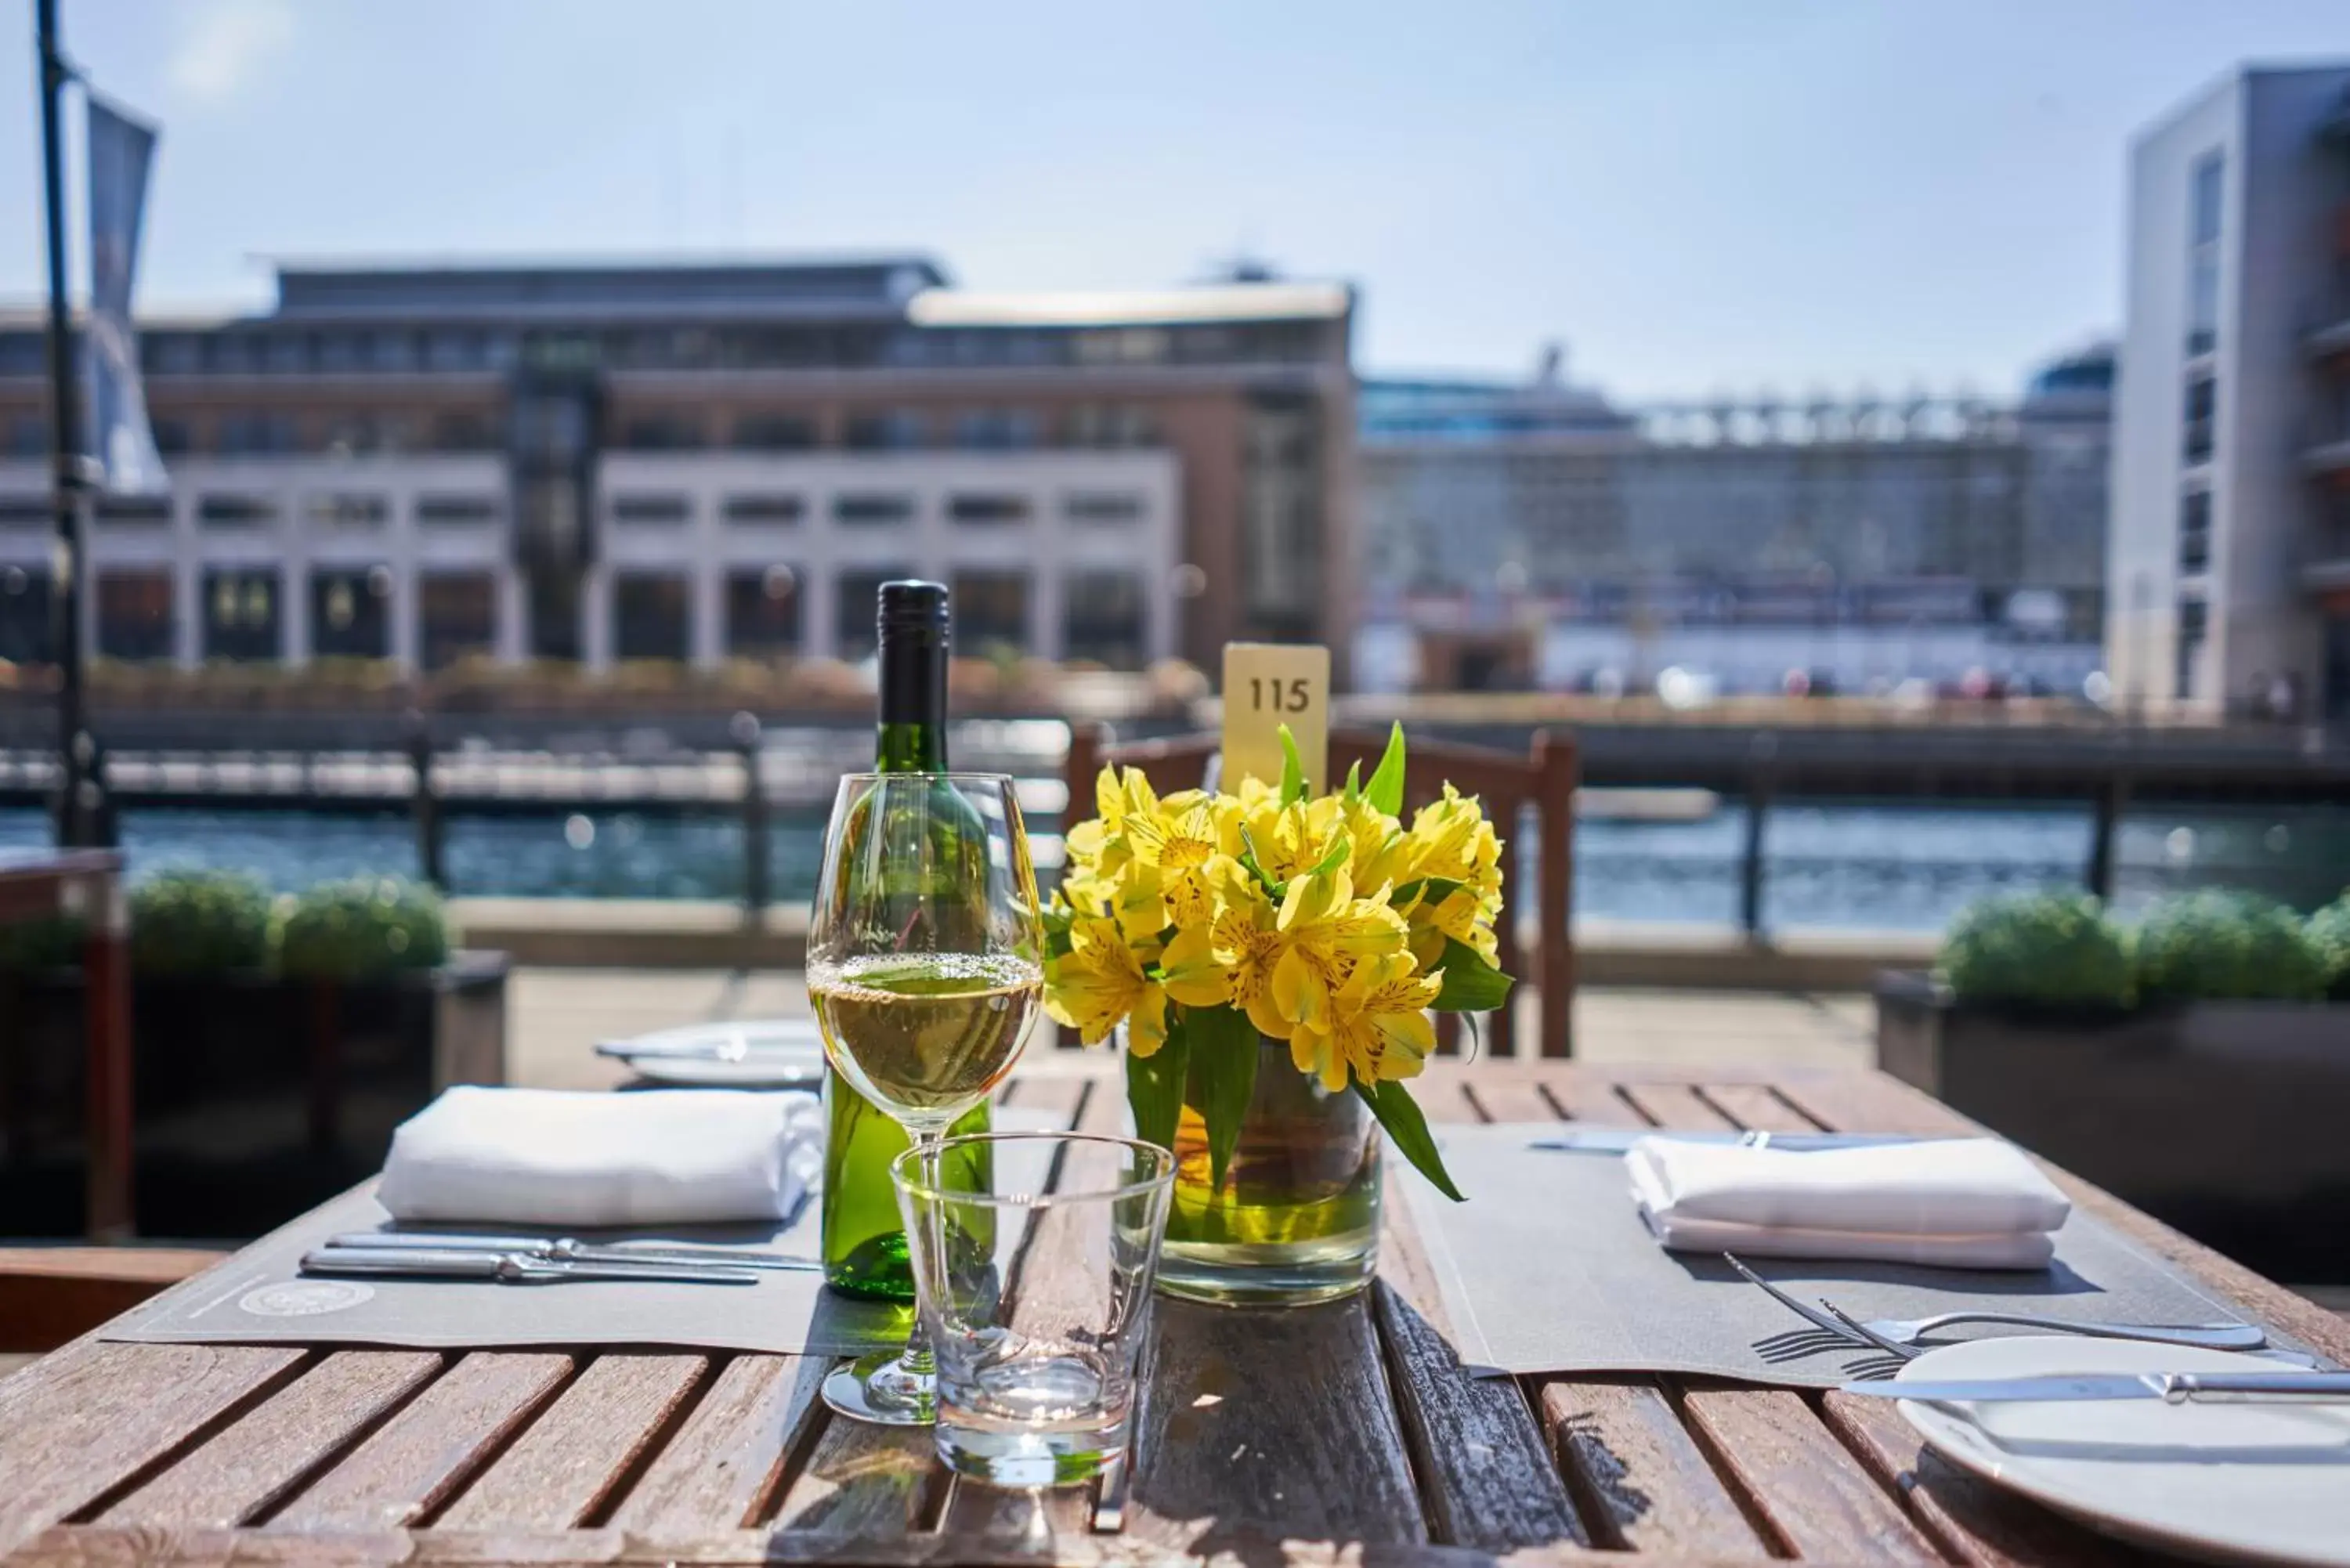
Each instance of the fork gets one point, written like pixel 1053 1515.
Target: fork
pixel 1898 1336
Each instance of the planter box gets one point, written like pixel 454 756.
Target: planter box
pixel 2229 1120
pixel 256 1097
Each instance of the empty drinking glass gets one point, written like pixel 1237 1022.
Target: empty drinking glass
pixel 1033 1270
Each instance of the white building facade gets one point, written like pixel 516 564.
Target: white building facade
pixel 2227 567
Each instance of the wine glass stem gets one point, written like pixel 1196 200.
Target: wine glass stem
pixel 916 1361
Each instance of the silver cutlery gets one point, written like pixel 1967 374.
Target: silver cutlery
pixel 2170 1388
pixel 1899 1336
pixel 1620 1140
pixel 507 1268
pixel 571 1249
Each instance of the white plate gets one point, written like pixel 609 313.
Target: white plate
pixel 2238 1483
pixel 746 1054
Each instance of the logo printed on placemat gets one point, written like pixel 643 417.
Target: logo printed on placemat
pixel 304 1298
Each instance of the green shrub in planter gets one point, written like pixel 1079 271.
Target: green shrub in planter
pixel 200 922
pixel 2328 934
pixel 33 947
pixel 366 926
pixel 2049 949
pixel 2214 945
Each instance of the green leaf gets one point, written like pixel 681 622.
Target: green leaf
pixel 1355 781
pixel 1397 1113
pixel 1224 1046
pixel 1292 769
pixel 1154 1087
pixel 1255 867
pixel 1385 791
pixel 1471 985
pixel 1435 888
pixel 1057 920
pixel 1341 850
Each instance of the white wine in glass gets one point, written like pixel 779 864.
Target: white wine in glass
pixel 925 968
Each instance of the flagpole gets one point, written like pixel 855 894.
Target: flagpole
pixel 78 804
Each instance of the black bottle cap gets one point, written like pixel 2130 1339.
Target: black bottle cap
pixel 910 605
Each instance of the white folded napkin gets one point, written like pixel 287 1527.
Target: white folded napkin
pixel 560 1158
pixel 1963 1202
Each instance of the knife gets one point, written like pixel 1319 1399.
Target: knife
pixel 571 1249
pixel 1620 1140
pixel 505 1268
pixel 2170 1388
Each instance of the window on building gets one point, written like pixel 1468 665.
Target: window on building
pixel 172 437
pixel 763 509
pixel 887 430
pixel 255 435
pixel 456 617
pixel 2195 531
pixel 991 613
pixel 857 599
pixel 28 435
pixel 1110 425
pixel 646 508
pixel 456 509
pixel 998 430
pixel 2201 415
pixel 350 612
pixel 774 432
pixel 1102 508
pixel 652 615
pixel 287 353
pixel 26 512
pixel 149 511
pixel 242 619
pixel 2194 622
pixel 1103 618
pixel 235 511
pixel 459 429
pixel 988 508
pixel 762 612
pixel 24 614
pixel 135 613
pixel 455 350
pixel 661 432
pixel 2206 189
pixel 865 509
pixel 347 510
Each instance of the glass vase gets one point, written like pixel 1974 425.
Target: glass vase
pixel 1297 1217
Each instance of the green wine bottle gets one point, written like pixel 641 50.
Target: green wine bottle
pixel 864 1240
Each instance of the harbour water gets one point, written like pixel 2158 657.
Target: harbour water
pixel 1880 867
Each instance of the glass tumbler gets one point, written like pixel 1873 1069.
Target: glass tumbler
pixel 1032 1270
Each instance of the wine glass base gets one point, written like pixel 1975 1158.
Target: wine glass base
pixel 879 1389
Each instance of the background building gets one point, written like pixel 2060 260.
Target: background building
pixel 602 463
pixel 2229 563
pixel 1539 534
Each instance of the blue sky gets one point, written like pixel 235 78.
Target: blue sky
pixel 1694 197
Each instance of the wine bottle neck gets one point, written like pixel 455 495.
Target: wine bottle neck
pixel 916 748
pixel 913 681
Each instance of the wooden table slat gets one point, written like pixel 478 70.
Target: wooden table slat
pixel 1271 1421
pixel 1974 1520
pixel 1645 1484
pixel 410 1464
pixel 728 1456
pixel 1756 1108
pixel 1484 1471
pixel 80 1422
pixel 1676 1106
pixel 261 1457
pixel 566 1464
pixel 1812 1495
pixel 863 1480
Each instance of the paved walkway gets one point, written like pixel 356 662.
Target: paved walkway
pixel 558 1014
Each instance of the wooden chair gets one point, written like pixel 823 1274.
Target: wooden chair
pixel 52 1294
pixel 1545 779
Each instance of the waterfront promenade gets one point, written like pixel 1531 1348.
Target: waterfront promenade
pixel 556 1015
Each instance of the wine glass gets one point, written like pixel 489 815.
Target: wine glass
pixel 925 968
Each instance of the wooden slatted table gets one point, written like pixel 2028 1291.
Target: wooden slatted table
pixel 1341 1432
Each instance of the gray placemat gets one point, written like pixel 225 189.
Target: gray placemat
pixel 1549 1267
pixel 259 1297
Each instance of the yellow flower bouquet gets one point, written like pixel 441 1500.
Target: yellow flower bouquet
pixel 1208 922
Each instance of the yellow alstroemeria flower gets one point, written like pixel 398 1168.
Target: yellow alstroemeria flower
pixel 1376 1028
pixel 1097 984
pixel 1248 945
pixel 1327 930
pixel 1177 840
pixel 1462 916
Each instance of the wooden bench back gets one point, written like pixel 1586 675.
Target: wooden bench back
pixel 1544 780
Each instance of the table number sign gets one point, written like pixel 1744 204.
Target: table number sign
pixel 1267 685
